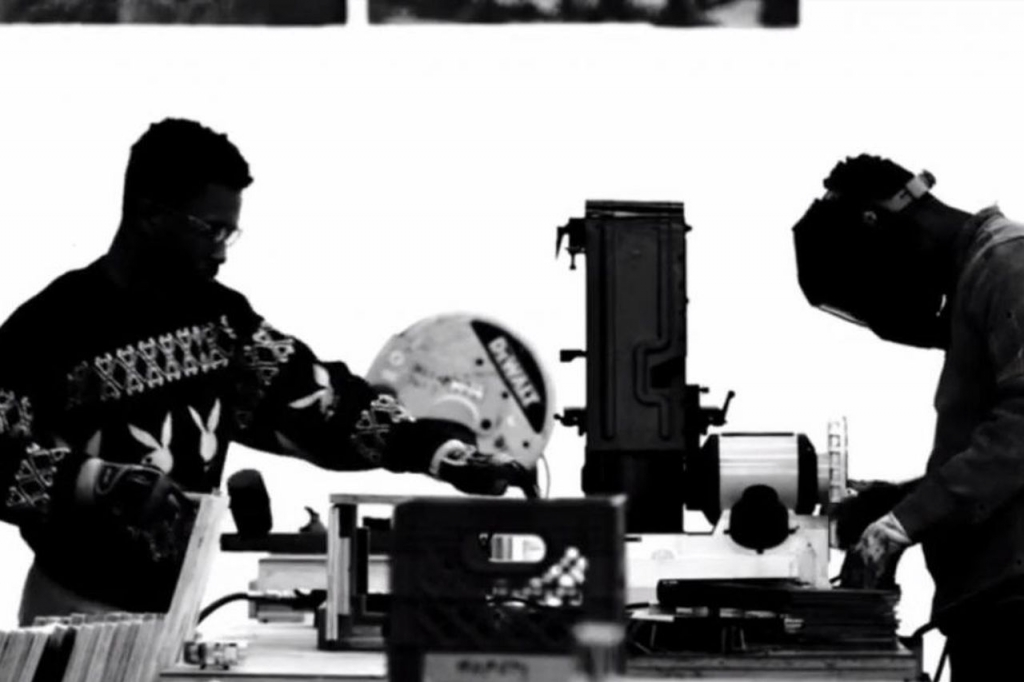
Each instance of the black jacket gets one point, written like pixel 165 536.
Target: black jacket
pixel 968 511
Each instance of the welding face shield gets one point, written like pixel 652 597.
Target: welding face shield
pixel 868 264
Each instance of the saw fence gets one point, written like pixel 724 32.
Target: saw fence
pixel 118 647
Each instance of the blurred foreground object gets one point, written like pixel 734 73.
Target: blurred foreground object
pixel 250 504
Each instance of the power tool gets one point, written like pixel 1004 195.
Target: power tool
pixel 474 371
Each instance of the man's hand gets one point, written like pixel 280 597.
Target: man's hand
pixel 138 506
pixel 871 563
pixel 869 501
pixel 474 472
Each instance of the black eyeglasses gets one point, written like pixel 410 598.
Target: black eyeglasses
pixel 219 234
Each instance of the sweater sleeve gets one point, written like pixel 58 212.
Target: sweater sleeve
pixel 36 467
pixel 291 402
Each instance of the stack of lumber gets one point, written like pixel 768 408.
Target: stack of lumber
pixel 118 647
pixel 836 618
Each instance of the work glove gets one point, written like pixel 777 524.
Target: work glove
pixel 869 501
pixel 871 563
pixel 136 509
pixel 452 456
pixel 471 471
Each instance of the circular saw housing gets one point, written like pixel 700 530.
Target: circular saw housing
pixel 474 371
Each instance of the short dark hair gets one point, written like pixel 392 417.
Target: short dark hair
pixel 865 179
pixel 175 160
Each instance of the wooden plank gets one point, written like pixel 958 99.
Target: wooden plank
pixel 41 643
pixel 65 648
pixel 307 572
pixel 5 639
pixel 195 573
pixel 21 653
pixel 71 635
pixel 92 636
pixel 40 640
pixel 4 636
pixel 141 657
pixel 120 648
pixel 130 655
pixel 81 650
pixel 133 652
pixel 111 647
pixel 51 663
pixel 37 644
pixel 342 521
pixel 14 652
pixel 18 671
pixel 97 665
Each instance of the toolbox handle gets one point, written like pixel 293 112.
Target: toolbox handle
pixel 505 551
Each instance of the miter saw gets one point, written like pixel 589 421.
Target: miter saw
pixel 458 367
pixel 474 371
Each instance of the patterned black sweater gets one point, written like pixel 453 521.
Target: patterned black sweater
pixel 90 369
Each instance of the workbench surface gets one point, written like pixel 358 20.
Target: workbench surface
pixel 284 651
pixel 287 651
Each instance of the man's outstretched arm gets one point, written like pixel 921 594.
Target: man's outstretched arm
pixel 292 403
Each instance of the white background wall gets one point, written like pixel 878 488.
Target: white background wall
pixel 404 171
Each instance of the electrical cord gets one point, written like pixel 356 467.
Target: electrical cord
pixel 222 601
pixel 942 661
pixel 547 475
pixel 298 600
pixel 921 632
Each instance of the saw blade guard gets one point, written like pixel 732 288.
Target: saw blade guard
pixel 474 371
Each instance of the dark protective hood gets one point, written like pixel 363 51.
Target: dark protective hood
pixel 869 266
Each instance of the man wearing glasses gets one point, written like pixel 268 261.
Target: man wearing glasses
pixel 122 383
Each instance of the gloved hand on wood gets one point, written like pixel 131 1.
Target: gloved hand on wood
pixel 871 563
pixel 868 502
pixel 137 508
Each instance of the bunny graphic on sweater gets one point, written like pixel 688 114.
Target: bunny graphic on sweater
pixel 208 429
pixel 160 456
pixel 323 396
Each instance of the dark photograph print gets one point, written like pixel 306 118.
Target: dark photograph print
pixel 683 13
pixel 258 12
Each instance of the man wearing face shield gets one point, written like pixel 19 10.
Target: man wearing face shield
pixel 881 251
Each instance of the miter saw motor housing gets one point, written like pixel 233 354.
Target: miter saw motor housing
pixel 474 371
